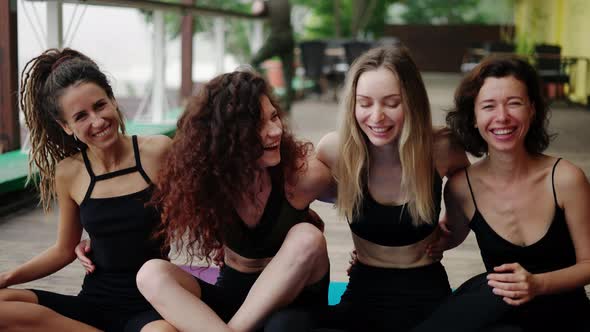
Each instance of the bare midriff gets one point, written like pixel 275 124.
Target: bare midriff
pixel 403 257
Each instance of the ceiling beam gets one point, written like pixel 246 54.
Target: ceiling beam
pixel 181 8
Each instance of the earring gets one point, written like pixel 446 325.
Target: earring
pixel 75 138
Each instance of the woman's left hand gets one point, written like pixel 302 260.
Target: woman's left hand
pixel 515 284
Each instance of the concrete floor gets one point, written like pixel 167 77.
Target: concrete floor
pixel 28 232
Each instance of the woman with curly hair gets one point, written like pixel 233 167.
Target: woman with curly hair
pixel 102 179
pixel 389 162
pixel 237 181
pixel 529 211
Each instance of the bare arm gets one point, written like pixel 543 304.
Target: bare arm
pixel 573 194
pixel 456 223
pixel 68 235
pixel 327 154
pixel 449 155
pixel 516 285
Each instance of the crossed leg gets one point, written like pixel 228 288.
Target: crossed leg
pixel 20 311
pixel 302 260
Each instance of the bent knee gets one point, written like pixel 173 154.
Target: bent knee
pixel 158 326
pixel 21 315
pixel 20 295
pixel 307 240
pixel 151 276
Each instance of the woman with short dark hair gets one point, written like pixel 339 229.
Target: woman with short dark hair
pixel 529 211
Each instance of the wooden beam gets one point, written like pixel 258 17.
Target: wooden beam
pixel 9 124
pixel 183 8
pixel 186 70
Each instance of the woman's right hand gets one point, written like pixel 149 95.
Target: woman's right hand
pixel 81 250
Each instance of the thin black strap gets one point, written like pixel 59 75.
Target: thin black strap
pixel 138 160
pixel 553 181
pixel 116 173
pixel 87 164
pixel 470 189
pixel 91 173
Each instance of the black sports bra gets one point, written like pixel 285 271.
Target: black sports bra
pixel 392 226
pixel 266 238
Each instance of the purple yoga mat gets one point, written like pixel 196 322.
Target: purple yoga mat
pixel 207 274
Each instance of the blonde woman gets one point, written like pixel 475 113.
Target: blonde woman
pixel 389 163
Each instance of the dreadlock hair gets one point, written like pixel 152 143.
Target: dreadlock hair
pixel 43 81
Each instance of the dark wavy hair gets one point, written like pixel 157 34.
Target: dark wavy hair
pixel 213 161
pixel 461 119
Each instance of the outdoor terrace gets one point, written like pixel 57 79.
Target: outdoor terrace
pixel 28 232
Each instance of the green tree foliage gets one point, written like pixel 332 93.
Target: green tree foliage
pixel 345 18
pixel 446 12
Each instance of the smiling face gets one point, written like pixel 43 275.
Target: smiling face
pixel 90 114
pixel 271 131
pixel 503 113
pixel 379 110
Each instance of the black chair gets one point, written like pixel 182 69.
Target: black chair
pixel 354 48
pixel 551 70
pixel 497 46
pixel 312 58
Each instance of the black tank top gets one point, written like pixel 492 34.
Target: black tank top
pixel 120 228
pixel 392 226
pixel 265 239
pixel 554 251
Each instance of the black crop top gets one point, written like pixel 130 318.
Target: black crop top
pixel 554 251
pixel 265 239
pixel 120 227
pixel 391 226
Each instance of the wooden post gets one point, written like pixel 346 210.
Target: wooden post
pixel 186 72
pixel 9 124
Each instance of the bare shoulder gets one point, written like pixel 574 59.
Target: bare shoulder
pixel 327 149
pixel 457 185
pixel 569 179
pixel 449 155
pixel 154 144
pixel 68 170
pixel 153 151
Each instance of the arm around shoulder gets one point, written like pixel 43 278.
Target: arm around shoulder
pixel 449 154
pixel 455 196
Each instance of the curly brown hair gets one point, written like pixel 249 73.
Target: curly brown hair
pixel 461 119
pixel 213 161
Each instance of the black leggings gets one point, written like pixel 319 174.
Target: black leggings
pixel 107 314
pixel 384 299
pixel 232 287
pixel 474 307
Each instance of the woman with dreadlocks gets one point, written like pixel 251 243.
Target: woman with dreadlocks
pixel 102 179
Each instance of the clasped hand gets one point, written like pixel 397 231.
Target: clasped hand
pixel 514 283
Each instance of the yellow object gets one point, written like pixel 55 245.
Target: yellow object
pixel 560 22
